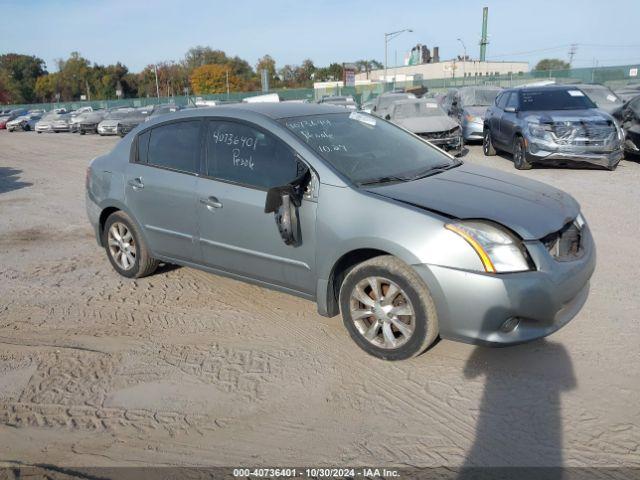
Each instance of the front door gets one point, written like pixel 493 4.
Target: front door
pixel 508 122
pixel 235 235
pixel 160 188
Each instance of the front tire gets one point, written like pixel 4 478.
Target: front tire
pixel 387 309
pixel 125 247
pixel 487 144
pixel 520 154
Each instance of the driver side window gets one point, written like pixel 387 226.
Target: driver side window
pixel 513 100
pixel 239 153
pixel 502 100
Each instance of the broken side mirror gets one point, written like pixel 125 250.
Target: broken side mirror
pixel 284 201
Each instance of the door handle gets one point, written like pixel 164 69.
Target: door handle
pixel 211 203
pixel 136 183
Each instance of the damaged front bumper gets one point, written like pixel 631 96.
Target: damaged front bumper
pixel 543 153
pixel 453 145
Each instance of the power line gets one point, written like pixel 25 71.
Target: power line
pixel 572 46
pixel 514 54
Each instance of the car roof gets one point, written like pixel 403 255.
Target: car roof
pixel 477 87
pixel 275 110
pixel 545 88
pixel 407 101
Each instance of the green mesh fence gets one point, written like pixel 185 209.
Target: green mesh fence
pixel 614 77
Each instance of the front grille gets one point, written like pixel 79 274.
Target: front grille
pixel 565 244
pixel 439 135
pixel 584 133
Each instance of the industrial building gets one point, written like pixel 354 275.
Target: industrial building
pixel 445 69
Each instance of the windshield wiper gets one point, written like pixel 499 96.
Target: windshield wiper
pixel 435 170
pixel 385 179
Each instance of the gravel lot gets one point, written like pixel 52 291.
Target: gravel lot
pixel 186 368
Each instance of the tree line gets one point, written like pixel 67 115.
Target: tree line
pixel 203 70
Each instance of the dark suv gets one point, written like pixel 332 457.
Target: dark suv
pixel 553 125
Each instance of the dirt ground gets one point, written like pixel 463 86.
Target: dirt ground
pixel 186 368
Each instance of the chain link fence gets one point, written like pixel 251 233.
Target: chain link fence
pixel 614 77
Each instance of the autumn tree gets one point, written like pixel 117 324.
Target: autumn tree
pixel 47 87
pixel 552 64
pixel 198 56
pixel 267 63
pixel 367 66
pixel 19 73
pixel 331 73
pixel 213 79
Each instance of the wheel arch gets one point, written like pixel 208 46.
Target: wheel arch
pixel 110 207
pixel 339 271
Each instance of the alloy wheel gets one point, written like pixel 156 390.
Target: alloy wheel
pixel 382 312
pixel 122 246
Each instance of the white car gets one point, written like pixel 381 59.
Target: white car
pixel 24 122
pixel 111 122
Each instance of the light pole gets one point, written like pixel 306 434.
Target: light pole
pixel 387 38
pixel 464 61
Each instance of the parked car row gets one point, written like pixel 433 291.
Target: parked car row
pixel 118 121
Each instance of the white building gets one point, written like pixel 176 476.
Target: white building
pixel 446 69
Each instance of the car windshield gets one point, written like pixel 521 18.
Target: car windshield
pixel 385 101
pixel 118 114
pixel 602 96
pixel 478 97
pixel 554 99
pixel 417 109
pixel 367 149
pixel 635 105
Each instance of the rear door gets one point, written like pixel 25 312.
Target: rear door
pixel 161 185
pixel 242 162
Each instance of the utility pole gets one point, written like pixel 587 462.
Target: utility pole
pixel 227 84
pixel 387 38
pixel 155 69
pixel 464 60
pixel 483 41
pixel 572 53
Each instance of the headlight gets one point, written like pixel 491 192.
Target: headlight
pixel 540 130
pixel 499 250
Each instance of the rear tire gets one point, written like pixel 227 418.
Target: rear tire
pixel 520 154
pixel 487 144
pixel 395 320
pixel 125 247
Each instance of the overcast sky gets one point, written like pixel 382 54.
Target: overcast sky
pixel 140 32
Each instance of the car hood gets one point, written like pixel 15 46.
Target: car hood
pixel 551 116
pixel 531 209
pixel 427 124
pixel 109 123
pixel 476 111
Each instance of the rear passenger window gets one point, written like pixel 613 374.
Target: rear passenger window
pixel 175 146
pixel 241 154
pixel 143 146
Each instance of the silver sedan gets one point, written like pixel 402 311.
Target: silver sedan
pixel 349 211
